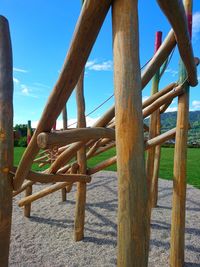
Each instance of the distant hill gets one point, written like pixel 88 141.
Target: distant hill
pixel 168 121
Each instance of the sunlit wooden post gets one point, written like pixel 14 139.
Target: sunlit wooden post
pixel 153 155
pixel 180 159
pixel 6 139
pixel 133 223
pixel 81 159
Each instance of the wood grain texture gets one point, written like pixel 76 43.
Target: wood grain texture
pixel 133 239
pixel 52 139
pixel 79 220
pixel 179 176
pixel 6 139
pixel 154 130
pixel 89 24
pixel 27 208
pixel 174 11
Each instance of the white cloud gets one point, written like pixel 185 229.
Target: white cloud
pixel 20 70
pixel 196 24
pixel 90 63
pixel 59 123
pixel 196 104
pixel 99 66
pixel 172 72
pixel 15 80
pixel 25 91
pixel 171 109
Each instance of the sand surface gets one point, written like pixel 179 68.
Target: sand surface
pixel 46 239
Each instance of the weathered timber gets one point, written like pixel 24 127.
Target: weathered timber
pixel 27 208
pixel 174 11
pixel 180 160
pixel 64 117
pixel 153 131
pixel 22 188
pixel 164 107
pixel 159 58
pixel 75 61
pixel 50 189
pixel 53 178
pixel 102 165
pixel 6 139
pixel 132 186
pixel 81 160
pixel 163 99
pixel 45 140
pixel 157 95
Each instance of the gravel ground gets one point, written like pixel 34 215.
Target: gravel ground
pixel 46 239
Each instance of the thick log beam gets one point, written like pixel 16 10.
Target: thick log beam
pixel 174 10
pixel 75 61
pixel 45 140
pixel 133 238
pixel 6 139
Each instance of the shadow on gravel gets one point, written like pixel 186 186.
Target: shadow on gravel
pixel 190 264
pixel 53 222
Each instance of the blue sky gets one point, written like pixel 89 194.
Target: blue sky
pixel 41 32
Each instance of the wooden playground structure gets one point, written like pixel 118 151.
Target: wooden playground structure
pixel 66 152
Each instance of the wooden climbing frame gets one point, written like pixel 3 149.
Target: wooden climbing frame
pixel 65 153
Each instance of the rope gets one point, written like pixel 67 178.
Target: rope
pixel 91 112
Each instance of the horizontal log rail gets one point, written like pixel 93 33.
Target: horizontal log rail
pixel 174 11
pixel 163 99
pixel 164 107
pixel 22 188
pixel 160 139
pixel 45 140
pixel 148 144
pixel 54 178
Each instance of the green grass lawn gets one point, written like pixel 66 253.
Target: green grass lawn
pixel 166 165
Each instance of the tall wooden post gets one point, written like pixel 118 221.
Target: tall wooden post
pixel 64 116
pixel 29 189
pixel 29 132
pixel 180 158
pixel 81 159
pixel 153 154
pixel 6 139
pixel 133 223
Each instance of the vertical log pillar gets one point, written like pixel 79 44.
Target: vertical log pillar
pixel 27 208
pixel 153 154
pixel 81 159
pixel 6 139
pixel 64 116
pixel 180 158
pixel 133 223
pixel 29 132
